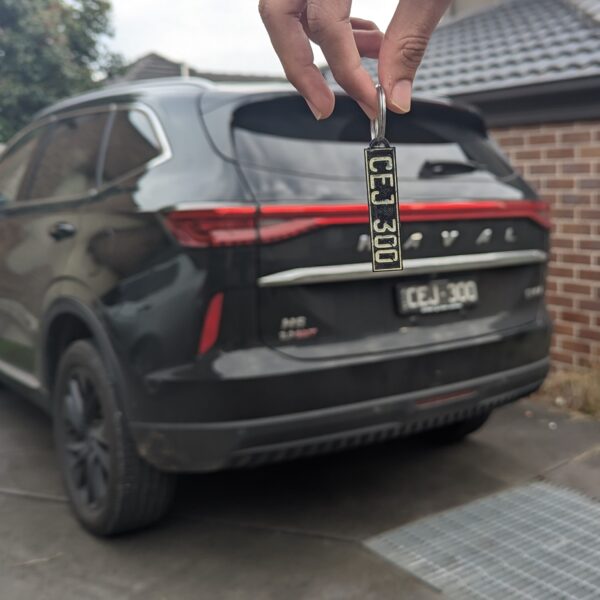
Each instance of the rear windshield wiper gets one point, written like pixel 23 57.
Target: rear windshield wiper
pixel 447 168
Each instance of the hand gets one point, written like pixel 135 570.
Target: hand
pixel 343 40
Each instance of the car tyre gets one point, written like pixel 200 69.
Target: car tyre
pixel 458 431
pixel 110 488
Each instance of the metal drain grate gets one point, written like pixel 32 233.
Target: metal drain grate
pixel 535 542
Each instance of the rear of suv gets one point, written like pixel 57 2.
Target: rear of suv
pixel 185 285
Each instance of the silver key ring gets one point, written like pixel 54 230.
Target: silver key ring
pixel 378 123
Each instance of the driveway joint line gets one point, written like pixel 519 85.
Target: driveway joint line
pixel 276 529
pixel 16 493
pixel 587 452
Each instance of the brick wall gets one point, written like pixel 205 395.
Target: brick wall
pixel 563 163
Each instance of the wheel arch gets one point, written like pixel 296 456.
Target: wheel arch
pixel 66 321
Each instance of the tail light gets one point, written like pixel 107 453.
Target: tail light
pixel 281 222
pixel 242 225
pixel 536 210
pixel 210 227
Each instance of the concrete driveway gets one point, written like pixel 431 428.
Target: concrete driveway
pixel 288 531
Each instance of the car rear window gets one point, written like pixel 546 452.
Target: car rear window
pixel 67 164
pixel 286 155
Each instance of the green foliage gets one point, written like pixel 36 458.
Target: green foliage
pixel 49 49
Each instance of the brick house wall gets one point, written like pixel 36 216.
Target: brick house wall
pixel 563 162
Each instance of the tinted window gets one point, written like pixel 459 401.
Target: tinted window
pixel 285 154
pixel 68 162
pixel 133 143
pixel 14 165
pixel 286 169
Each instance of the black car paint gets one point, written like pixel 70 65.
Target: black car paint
pixel 123 279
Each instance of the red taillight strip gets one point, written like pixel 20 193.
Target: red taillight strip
pixel 242 225
pixel 212 324
pixel 340 214
pixel 536 210
pixel 209 227
pixel 284 227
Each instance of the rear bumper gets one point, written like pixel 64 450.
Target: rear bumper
pixel 212 446
pixel 214 423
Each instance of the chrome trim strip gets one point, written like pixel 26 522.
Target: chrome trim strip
pixel 19 375
pixel 412 266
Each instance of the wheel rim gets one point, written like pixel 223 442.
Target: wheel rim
pixel 86 447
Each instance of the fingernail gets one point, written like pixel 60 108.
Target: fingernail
pixel 368 110
pixel 401 95
pixel 315 111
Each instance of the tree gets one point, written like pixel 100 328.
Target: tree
pixel 49 49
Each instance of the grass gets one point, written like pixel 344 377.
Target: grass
pixel 578 391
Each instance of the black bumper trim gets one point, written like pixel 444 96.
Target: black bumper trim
pixel 194 447
pixel 256 456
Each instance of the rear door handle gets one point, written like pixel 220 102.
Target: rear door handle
pixel 62 231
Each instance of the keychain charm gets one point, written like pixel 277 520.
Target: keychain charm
pixel 382 186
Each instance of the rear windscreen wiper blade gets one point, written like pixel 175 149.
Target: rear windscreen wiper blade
pixel 447 168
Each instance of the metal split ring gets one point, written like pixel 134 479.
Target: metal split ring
pixel 378 123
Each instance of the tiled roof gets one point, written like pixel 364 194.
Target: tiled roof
pixel 517 43
pixel 151 66
pixel 154 66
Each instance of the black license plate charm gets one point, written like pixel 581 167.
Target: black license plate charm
pixel 382 193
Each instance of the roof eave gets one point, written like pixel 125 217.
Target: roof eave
pixel 555 101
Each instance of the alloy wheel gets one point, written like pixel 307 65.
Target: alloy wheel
pixel 86 446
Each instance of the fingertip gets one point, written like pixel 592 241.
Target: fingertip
pixel 368 110
pixel 371 106
pixel 328 113
pixel 315 110
pixel 321 108
pixel 400 96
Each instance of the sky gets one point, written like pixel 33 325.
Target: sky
pixel 211 35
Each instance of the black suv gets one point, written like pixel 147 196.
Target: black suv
pixel 185 284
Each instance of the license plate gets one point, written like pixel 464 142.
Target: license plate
pixel 437 296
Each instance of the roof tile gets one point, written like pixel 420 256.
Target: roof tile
pixel 517 43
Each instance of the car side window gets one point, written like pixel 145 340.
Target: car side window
pixel 68 162
pixel 133 143
pixel 14 164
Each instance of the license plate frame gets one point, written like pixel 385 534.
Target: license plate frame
pixel 437 296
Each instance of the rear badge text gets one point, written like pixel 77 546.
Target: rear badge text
pixel 296 329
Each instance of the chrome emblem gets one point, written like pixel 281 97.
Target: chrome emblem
pixel 449 237
pixel 510 236
pixel 364 243
pixel 414 240
pixel 485 237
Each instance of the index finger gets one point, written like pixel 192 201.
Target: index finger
pixel 328 24
pixel 283 23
